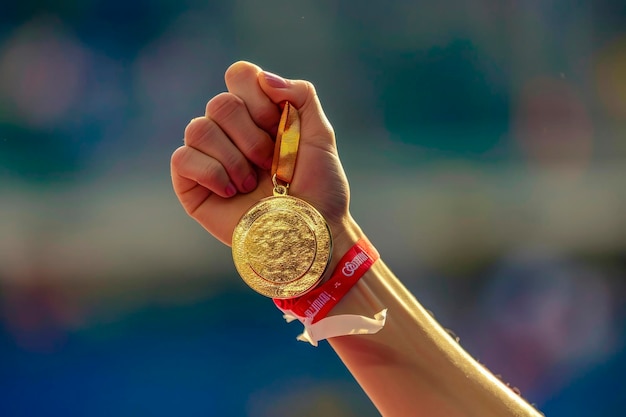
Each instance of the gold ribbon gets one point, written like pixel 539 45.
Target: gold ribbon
pixel 287 141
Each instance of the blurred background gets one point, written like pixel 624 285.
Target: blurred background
pixel 485 143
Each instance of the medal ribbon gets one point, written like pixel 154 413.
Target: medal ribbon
pixel 287 141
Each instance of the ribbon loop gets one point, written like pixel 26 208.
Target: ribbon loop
pixel 287 141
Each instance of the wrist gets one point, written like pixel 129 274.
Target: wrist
pixel 362 298
pixel 349 267
pixel 345 236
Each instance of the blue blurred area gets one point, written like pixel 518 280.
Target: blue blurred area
pixel 485 143
pixel 209 358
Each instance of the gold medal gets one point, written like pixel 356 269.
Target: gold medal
pixel 282 245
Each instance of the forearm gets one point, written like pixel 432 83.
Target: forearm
pixel 412 366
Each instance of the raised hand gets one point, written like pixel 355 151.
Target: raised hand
pixel 223 167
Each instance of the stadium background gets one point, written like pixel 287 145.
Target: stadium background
pixel 485 143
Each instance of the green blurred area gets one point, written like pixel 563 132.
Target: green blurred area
pixel 484 142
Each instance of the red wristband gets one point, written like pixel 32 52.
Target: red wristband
pixel 317 303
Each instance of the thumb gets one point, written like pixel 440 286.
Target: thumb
pixel 315 127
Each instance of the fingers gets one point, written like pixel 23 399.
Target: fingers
pixel 242 80
pixel 302 94
pixel 221 154
pixel 196 176
pixel 231 114
pixel 259 88
pixel 262 91
pixel 223 148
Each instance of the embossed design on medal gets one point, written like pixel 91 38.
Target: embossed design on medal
pixel 282 245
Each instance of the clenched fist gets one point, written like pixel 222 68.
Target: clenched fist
pixel 223 167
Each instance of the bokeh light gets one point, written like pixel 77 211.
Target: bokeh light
pixel 485 143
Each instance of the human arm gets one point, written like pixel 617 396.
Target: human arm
pixel 410 367
pixel 413 367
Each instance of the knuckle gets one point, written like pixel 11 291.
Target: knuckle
pixel 178 158
pixel 223 106
pixel 267 116
pixel 239 71
pixel 255 148
pixel 310 93
pixel 196 128
pixel 210 174
pixel 201 131
pixel 310 88
pixel 236 165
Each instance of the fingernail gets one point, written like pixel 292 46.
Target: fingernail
pixel 274 80
pixel 231 190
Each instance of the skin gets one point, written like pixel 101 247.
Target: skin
pixel 412 366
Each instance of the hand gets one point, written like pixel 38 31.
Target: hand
pixel 223 168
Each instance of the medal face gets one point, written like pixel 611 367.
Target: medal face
pixel 281 247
